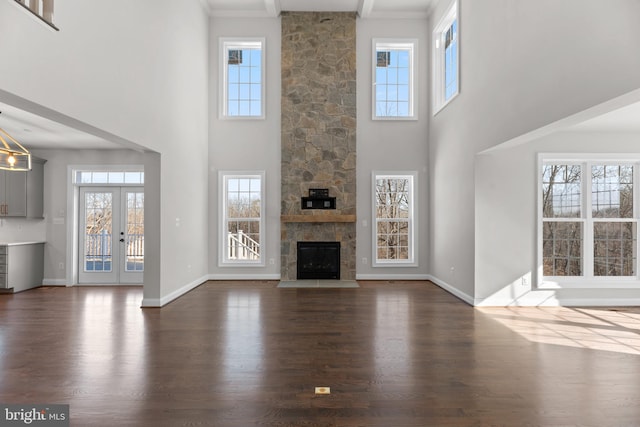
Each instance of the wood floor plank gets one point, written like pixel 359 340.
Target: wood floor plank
pixel 249 354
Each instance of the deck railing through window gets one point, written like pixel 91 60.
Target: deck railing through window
pixel 99 250
pixel 242 246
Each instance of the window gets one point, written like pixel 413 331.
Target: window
pixel 588 226
pixel 242 217
pixel 85 177
pixel 393 79
pixel 242 78
pixel 394 220
pixel 445 62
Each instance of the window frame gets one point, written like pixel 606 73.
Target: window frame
pixel 410 45
pixel 439 58
pixel 413 258
pixel 588 279
pixel 223 177
pixel 231 43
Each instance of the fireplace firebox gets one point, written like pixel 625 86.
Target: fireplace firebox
pixel 318 260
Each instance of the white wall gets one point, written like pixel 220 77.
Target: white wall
pixel 137 70
pixel 523 66
pixel 386 145
pixel 241 145
pixel 56 212
pixel 506 213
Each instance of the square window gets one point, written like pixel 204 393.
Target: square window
pixel 588 227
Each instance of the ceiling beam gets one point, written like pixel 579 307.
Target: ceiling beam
pixel 273 7
pixel 364 8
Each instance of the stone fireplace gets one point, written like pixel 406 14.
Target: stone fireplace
pixel 318 133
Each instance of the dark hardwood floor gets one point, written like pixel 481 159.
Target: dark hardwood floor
pixel 248 354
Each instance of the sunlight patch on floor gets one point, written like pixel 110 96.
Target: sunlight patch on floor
pixel 605 329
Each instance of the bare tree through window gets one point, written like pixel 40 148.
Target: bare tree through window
pixel 607 217
pixel 562 245
pixel 392 210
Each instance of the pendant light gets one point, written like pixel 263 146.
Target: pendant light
pixel 13 156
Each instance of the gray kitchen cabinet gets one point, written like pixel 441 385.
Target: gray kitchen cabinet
pixel 21 266
pixel 21 193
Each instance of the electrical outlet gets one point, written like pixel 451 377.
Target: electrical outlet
pixel 272 261
pixel 364 260
pixel 61 266
pixel 323 390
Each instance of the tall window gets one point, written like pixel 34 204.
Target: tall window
pixel 589 219
pixel 445 62
pixel 242 78
pixel 242 218
pixel 393 79
pixel 394 219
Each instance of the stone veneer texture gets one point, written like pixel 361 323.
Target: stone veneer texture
pixel 318 129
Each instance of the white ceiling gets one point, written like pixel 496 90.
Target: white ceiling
pixel 625 119
pixel 34 131
pixel 364 8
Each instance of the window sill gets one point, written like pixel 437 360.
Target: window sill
pixel 232 118
pixel 241 264
pixel 395 119
pixel 604 283
pixel 438 108
pixel 395 264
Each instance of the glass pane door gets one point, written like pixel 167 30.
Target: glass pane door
pixel 97 249
pixel 111 235
pixel 132 264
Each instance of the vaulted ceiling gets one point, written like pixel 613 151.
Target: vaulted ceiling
pixel 37 132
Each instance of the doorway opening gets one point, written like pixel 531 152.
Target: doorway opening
pixel 110 227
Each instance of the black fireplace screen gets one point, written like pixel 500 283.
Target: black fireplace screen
pixel 318 260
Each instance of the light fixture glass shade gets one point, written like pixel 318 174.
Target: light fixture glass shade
pixel 13 156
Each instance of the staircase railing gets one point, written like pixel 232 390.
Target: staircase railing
pixel 241 246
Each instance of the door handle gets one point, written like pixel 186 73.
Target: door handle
pixel 122 240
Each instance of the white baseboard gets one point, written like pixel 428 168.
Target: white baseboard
pixel 54 282
pixel 392 277
pixel 161 302
pixel 452 290
pixel 243 277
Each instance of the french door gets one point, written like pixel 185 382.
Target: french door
pixel 111 235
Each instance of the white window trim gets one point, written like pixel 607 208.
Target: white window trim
pixel 587 281
pixel 412 261
pixel 222 209
pixel 238 42
pixel 407 44
pixel 107 169
pixel 438 61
